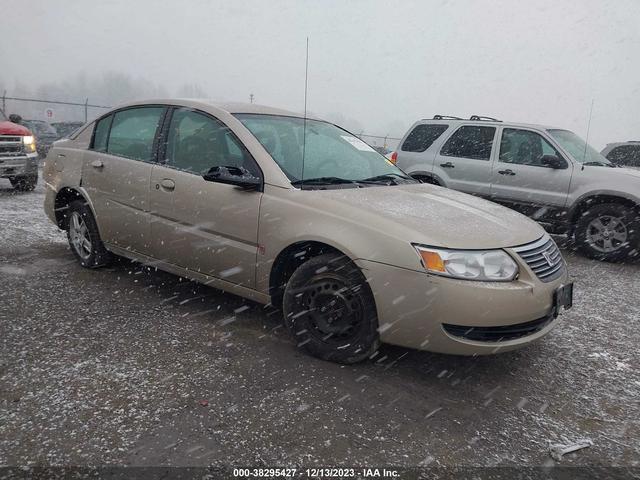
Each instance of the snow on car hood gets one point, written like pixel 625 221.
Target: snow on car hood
pixel 431 215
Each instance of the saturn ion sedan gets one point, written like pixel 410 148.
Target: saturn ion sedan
pixel 297 212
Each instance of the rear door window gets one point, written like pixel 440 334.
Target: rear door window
pixel 422 137
pixel 133 132
pixel 470 141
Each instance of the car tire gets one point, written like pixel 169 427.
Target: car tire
pixel 84 238
pixel 26 183
pixel 330 310
pixel 609 232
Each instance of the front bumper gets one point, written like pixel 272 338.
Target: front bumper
pixel 417 310
pixel 17 166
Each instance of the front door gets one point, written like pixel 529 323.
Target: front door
pixel 464 161
pixel 521 179
pixel 207 227
pixel 116 172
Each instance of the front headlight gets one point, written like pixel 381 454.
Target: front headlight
pixel 481 265
pixel 29 143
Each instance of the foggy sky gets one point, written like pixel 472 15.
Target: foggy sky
pixel 376 66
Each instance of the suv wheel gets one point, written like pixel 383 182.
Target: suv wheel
pixel 24 184
pixel 83 236
pixel 609 231
pixel 330 310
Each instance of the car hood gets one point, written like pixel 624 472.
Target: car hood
pixel 10 128
pixel 431 215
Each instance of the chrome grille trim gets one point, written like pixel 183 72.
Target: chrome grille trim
pixel 535 255
pixel 8 139
pixel 11 146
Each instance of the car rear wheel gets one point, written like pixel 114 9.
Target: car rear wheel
pixel 330 310
pixel 84 238
pixel 24 184
pixel 609 232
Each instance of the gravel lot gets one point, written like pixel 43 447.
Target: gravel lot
pixel 129 366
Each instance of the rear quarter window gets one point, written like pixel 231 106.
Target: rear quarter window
pixel 422 137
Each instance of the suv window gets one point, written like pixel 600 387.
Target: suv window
pixel 422 137
pixel 133 131
pixel 473 142
pixel 524 147
pixel 625 155
pixel 197 142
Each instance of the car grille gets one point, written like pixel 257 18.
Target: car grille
pixel 544 258
pixel 500 333
pixel 10 146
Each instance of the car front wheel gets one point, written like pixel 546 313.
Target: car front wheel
pixel 609 232
pixel 84 238
pixel 330 310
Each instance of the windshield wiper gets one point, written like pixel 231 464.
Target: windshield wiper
pixel 388 177
pixel 599 164
pixel 323 181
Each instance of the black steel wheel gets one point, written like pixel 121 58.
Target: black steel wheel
pixel 330 310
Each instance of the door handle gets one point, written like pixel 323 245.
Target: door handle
pixel 97 164
pixel 447 165
pixel 508 171
pixel 166 184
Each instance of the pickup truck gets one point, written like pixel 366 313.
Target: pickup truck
pixel 18 154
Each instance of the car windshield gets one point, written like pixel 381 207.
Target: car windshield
pixel 331 154
pixel 580 150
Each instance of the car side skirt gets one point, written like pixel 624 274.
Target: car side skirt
pixel 208 280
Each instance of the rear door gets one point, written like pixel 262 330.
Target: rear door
pixel 197 224
pixel 519 177
pixel 116 173
pixel 464 161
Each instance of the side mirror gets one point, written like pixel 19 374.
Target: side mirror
pixel 238 176
pixel 553 161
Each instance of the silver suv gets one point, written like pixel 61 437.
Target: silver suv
pixel 547 173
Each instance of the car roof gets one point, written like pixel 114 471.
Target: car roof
pixel 227 107
pixel 493 123
pixel 617 144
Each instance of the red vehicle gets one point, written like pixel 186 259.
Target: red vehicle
pixel 18 155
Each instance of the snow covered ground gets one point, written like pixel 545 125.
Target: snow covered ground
pixel 125 365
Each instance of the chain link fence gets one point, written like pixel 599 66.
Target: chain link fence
pixel 50 110
pixel 381 143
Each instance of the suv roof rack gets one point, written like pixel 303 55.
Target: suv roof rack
pixel 445 117
pixel 483 118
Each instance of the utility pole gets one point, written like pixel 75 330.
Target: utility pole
pixel 251 97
